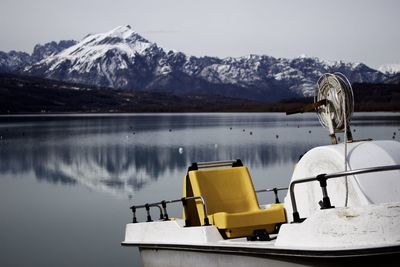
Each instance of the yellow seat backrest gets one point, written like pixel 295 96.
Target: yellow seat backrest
pixel 224 190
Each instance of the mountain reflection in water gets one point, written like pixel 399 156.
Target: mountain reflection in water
pixel 123 153
pixel 128 168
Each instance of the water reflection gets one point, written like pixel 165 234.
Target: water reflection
pixel 122 154
pixel 124 169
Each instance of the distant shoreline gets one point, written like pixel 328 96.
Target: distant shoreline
pixel 30 95
pixel 22 114
pixel 267 108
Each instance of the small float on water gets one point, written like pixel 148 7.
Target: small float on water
pixel 342 206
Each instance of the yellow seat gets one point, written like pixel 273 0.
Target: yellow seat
pixel 231 202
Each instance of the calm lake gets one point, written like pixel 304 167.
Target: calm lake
pixel 67 181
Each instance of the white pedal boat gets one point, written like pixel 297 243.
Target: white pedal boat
pixel 332 215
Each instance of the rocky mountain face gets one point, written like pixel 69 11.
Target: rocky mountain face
pixel 123 59
pixel 49 49
pixel 13 61
pixel 390 69
pixel 16 62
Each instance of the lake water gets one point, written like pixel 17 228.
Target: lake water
pixel 67 181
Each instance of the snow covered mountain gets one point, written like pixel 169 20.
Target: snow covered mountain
pixel 119 58
pixel 43 51
pixel 123 59
pixel 390 68
pixel 13 61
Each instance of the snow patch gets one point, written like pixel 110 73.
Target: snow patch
pixel 390 68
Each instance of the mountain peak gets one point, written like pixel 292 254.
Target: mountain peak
pixel 108 53
pixel 125 33
pixel 122 29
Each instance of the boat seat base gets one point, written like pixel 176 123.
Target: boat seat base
pixel 259 235
pixel 244 224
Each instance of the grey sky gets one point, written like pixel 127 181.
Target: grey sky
pixel 361 31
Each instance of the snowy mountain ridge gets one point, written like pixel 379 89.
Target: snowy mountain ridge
pixel 390 68
pixel 121 58
pixel 96 46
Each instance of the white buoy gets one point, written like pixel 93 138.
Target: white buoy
pixel 180 150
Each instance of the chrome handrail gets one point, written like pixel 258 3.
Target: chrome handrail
pixel 275 190
pixel 203 202
pixel 163 211
pixel 322 178
pixel 214 164
pixel 163 203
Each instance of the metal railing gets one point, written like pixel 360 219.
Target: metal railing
pixel 215 164
pixel 275 190
pixel 322 179
pixel 162 206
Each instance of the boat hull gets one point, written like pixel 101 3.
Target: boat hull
pixel 197 256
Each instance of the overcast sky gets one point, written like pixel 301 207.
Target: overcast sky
pixel 360 31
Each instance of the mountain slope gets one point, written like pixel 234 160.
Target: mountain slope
pixel 390 69
pixel 121 58
pixel 16 62
pixel 25 94
pixel 13 61
pixel 41 52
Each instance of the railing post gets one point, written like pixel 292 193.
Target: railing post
pixel 326 202
pixel 184 204
pixel 203 201
pixel 161 212
pixel 276 195
pixel 134 220
pixel 296 215
pixel 164 206
pixel 206 221
pixel 148 213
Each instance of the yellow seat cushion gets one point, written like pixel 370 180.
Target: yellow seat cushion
pixel 272 215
